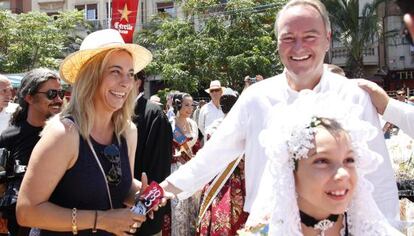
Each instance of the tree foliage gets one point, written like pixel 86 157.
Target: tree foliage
pixel 35 39
pixel 214 41
pixel 354 29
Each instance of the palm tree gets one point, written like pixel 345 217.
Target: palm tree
pixel 355 31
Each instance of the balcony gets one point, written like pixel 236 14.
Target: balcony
pixel 340 54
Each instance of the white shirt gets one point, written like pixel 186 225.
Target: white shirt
pixel 400 114
pixel 208 114
pixel 240 130
pixel 5 115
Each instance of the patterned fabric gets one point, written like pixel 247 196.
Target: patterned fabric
pixel 184 213
pixel 225 215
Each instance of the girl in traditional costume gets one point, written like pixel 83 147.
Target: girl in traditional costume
pixel 315 179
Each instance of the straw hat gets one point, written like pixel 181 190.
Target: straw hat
pixel 215 84
pixel 97 42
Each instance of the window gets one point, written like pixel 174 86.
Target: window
pixel 167 7
pixel 91 10
pixel 108 6
pixel 5 4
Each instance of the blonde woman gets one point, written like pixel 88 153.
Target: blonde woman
pixel 80 177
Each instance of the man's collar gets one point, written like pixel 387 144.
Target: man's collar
pixel 139 96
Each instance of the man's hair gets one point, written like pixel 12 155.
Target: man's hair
pixel 81 106
pixel 30 85
pixel 140 76
pixel 316 4
pixel 335 69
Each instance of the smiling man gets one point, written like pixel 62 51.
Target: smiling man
pixel 40 97
pixel 304 34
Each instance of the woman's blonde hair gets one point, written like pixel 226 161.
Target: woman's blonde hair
pixel 81 106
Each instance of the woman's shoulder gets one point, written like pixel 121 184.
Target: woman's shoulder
pixel 60 127
pixel 131 132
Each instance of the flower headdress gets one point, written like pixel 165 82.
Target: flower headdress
pixel 288 137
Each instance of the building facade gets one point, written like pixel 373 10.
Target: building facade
pixel 389 59
pixel 16 6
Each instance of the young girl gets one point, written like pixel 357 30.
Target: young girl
pixel 314 182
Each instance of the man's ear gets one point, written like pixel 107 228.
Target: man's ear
pixel 329 38
pixel 29 98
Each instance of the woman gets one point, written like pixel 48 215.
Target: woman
pixel 316 145
pixel 185 133
pixel 80 176
pixel 221 211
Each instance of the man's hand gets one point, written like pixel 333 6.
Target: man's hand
pixel 378 96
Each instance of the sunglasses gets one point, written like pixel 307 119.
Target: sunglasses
pixel 111 153
pixel 215 90
pixel 53 93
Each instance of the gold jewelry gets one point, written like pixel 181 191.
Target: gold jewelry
pixel 74 226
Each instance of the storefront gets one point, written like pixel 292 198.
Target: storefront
pixel 398 79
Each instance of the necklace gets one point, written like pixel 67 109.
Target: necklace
pixel 182 126
pixel 321 225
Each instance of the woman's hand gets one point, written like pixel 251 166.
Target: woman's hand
pixel 119 221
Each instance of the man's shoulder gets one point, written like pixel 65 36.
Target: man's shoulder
pixel 344 85
pixel 11 108
pixel 11 132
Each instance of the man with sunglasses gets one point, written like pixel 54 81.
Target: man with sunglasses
pixel 212 110
pixel 40 96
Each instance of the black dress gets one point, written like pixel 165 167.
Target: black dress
pixel 83 186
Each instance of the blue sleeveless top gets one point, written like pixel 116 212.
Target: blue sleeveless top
pixel 83 186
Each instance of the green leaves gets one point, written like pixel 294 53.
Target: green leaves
pixel 35 39
pixel 216 41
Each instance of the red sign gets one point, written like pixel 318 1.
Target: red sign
pixel 124 16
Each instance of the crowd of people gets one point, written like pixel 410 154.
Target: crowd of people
pixel 300 153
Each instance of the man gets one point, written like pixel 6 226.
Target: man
pixel 212 110
pixel 398 113
pixel 40 97
pixel 303 32
pixel 196 113
pixel 6 107
pixel 154 149
pixel 401 95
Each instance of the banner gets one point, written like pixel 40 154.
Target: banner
pixel 124 16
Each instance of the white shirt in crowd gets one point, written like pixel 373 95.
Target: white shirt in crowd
pixel 240 130
pixel 5 115
pixel 400 114
pixel 208 114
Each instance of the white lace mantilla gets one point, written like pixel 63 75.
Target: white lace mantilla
pixel 276 203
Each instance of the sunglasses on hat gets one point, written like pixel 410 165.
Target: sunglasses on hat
pixel 53 93
pixel 112 154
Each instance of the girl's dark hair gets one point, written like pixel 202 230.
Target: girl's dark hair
pixel 331 125
pixel 178 101
pixel 30 85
